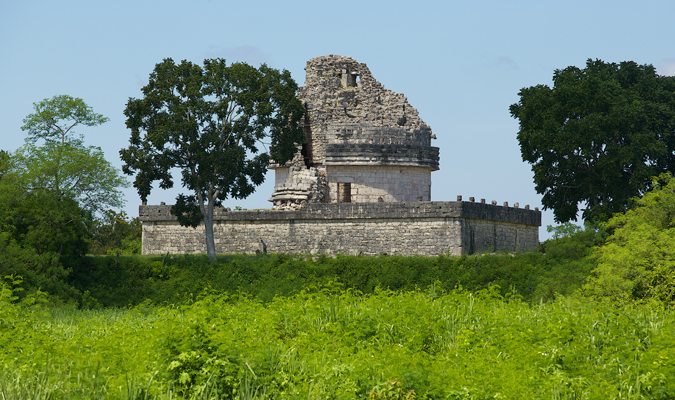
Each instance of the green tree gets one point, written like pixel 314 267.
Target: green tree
pixel 51 188
pixel 71 170
pixel 597 136
pixel 55 118
pixel 53 159
pixel 115 231
pixel 210 123
pixel 4 163
pixel 638 259
pixel 47 223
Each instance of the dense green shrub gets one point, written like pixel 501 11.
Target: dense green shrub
pixel 47 223
pixel 36 271
pixel 638 260
pixel 115 232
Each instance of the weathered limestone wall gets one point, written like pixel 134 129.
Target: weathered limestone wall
pixel 424 228
pixel 380 183
pixel 483 235
pixel 340 90
pixel 371 237
pixel 280 175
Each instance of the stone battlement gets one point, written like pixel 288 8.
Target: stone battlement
pixel 423 228
pixel 347 211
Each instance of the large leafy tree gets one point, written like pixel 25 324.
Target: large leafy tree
pixel 210 122
pixel 597 136
pixel 55 160
pixel 51 188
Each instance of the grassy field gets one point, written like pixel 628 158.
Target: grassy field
pixel 331 343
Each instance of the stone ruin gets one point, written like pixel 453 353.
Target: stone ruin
pixel 361 184
pixel 364 143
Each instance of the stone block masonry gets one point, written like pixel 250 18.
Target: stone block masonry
pixel 387 183
pixel 357 133
pixel 361 184
pixel 409 228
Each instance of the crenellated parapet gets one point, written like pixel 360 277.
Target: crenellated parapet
pixel 409 228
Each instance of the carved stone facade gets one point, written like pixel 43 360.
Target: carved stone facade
pixel 364 143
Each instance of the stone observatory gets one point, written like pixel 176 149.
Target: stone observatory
pixel 360 184
pixel 365 143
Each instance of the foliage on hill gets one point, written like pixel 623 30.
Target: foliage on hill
pixel 638 260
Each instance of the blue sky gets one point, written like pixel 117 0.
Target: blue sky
pixel 461 64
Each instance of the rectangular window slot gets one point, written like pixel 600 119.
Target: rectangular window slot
pixel 344 192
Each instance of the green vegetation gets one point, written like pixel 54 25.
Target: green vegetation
pixel 54 160
pixel 51 190
pixel 212 124
pixel 114 232
pixel 329 342
pixel 124 281
pixel 587 315
pixel 544 324
pixel 597 137
pixel 638 260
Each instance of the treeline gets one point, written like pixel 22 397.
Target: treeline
pixel 57 197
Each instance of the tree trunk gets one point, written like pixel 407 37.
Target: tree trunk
pixel 208 231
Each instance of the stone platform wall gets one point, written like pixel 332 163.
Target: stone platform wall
pixel 424 228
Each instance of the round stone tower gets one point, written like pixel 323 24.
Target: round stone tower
pixel 364 143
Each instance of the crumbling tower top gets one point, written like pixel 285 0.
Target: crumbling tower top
pixel 364 143
pixel 347 105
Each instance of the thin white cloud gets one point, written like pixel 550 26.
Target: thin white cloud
pixel 666 67
pixel 502 62
pixel 249 54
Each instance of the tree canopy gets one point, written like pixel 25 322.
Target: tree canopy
pixel 210 122
pixel 51 188
pixel 597 137
pixel 55 118
pixel 54 159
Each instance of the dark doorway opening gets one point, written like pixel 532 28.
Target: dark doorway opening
pixel 344 192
